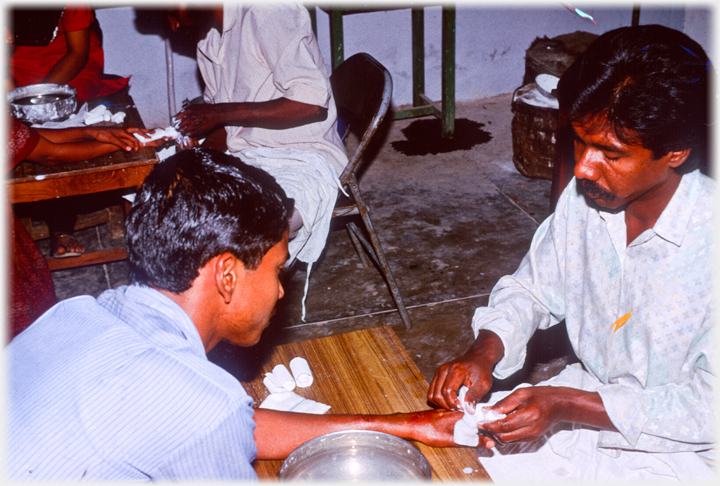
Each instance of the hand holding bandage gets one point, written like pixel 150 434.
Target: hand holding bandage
pixel 466 429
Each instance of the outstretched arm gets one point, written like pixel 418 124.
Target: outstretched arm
pixel 278 433
pixel 277 114
pixel 75 144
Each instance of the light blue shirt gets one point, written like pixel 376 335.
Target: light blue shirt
pixel 653 374
pixel 120 388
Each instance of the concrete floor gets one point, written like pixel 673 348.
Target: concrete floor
pixel 452 220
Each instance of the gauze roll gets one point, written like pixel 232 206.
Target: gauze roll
pixel 301 372
pixel 283 376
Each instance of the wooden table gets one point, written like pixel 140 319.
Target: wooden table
pixel 30 182
pixel 367 372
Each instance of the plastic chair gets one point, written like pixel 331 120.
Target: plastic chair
pixel 362 88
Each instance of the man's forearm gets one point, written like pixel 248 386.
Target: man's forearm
pixel 65 135
pixel 584 407
pixel 49 153
pixel 277 434
pixel 279 114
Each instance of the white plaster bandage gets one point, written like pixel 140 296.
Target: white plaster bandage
pixel 283 376
pixel 301 372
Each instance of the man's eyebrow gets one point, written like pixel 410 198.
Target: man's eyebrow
pixel 602 146
pixel 610 148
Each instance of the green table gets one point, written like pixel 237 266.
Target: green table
pixel 422 105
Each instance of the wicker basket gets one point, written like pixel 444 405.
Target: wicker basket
pixel 534 130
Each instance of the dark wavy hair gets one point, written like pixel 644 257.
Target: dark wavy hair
pixel 650 84
pixel 196 205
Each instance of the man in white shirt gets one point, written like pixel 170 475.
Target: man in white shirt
pixel 625 261
pixel 268 101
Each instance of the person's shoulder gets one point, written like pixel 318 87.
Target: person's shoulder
pixel 706 198
pixel 285 16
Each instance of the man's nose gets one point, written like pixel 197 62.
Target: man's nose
pixel 586 164
pixel 281 291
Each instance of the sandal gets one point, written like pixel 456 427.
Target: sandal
pixel 67 253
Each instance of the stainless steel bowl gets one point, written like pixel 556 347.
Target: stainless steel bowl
pixel 39 103
pixel 356 455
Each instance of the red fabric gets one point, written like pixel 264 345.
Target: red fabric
pixel 32 291
pixel 30 65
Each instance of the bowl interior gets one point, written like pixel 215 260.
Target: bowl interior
pixel 39 103
pixel 356 455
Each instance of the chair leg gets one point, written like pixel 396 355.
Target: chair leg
pixel 379 256
pixel 352 232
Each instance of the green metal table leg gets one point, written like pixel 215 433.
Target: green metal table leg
pixel 448 72
pixel 313 18
pixel 418 54
pixel 336 37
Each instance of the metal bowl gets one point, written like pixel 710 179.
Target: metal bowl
pixel 39 103
pixel 356 455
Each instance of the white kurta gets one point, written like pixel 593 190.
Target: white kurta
pixel 654 374
pixel 268 51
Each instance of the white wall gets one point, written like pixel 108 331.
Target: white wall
pixel 491 41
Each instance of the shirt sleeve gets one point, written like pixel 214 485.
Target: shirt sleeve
pixel 532 298
pixel 76 17
pixel 287 42
pixel 224 453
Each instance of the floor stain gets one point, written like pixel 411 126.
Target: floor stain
pixel 423 137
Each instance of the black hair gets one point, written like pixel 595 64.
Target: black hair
pixel 198 204
pixel 650 83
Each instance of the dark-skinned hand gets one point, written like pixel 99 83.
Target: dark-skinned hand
pixel 530 412
pixel 473 369
pixel 200 119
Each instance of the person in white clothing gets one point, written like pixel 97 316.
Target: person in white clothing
pixel 269 102
pixel 625 261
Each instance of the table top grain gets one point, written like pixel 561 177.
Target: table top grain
pixel 367 372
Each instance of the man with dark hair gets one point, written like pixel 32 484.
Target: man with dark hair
pixel 625 261
pixel 120 388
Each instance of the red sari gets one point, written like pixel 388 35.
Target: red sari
pixel 31 64
pixel 31 287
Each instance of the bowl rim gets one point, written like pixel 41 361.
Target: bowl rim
pixel 45 88
pixel 425 467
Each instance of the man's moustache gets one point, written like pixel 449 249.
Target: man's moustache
pixel 594 191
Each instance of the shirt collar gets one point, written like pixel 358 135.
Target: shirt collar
pixel 675 218
pixel 673 221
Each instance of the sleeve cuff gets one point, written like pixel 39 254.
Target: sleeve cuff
pixel 627 413
pixel 515 347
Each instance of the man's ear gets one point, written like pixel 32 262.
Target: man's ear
pixel 228 273
pixel 677 158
